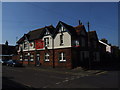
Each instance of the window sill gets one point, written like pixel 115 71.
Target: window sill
pixel 62 61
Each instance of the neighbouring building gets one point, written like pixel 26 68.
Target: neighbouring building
pixel 7 51
pixel 64 46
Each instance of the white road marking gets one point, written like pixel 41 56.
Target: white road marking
pixel 58 82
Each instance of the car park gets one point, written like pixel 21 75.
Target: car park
pixel 14 63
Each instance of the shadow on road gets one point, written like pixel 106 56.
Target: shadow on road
pixel 7 83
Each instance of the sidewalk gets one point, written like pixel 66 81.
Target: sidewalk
pixel 76 71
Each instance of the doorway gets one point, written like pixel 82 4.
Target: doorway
pixel 38 60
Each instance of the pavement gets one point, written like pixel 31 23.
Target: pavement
pixel 76 71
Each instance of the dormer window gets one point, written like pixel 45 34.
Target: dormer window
pixel 46 33
pixel 61 29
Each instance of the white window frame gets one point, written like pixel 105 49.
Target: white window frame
pixel 31 57
pixel 25 45
pixel 62 55
pixel 21 57
pixel 61 40
pixel 46 41
pixel 46 33
pixel 26 59
pixel 47 57
pixel 77 43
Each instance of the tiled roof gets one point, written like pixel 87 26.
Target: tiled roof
pixel 70 29
pixel 92 35
pixel 79 28
pixel 36 34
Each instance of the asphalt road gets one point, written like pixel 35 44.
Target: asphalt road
pixel 32 77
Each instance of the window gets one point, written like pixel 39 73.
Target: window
pixel 61 29
pixel 83 42
pixel 25 45
pixel 61 40
pixel 26 57
pixel 76 42
pixel 46 57
pixel 21 58
pixel 31 44
pixel 31 57
pixel 62 57
pixel 46 33
pixel 46 42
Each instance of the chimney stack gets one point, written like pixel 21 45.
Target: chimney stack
pixel 88 27
pixel 80 23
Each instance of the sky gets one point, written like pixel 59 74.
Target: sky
pixel 19 18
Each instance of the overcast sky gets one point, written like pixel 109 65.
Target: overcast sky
pixel 21 17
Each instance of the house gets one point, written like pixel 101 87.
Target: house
pixel 61 46
pixel 94 50
pixel 7 51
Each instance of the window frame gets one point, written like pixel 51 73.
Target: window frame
pixel 32 58
pixel 46 42
pixel 61 40
pixel 46 57
pixel 62 57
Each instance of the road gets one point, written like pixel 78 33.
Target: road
pixel 34 77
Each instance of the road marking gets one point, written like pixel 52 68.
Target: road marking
pixel 58 82
pixel 101 73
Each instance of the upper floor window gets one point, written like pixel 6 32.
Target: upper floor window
pixel 61 29
pixel 32 44
pixel 46 42
pixel 25 45
pixel 61 40
pixel 76 42
pixel 47 57
pixel 83 42
pixel 46 33
pixel 62 57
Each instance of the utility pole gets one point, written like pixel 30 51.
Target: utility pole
pixel 89 47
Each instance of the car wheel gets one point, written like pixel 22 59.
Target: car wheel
pixel 13 65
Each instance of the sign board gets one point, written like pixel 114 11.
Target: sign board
pixel 39 44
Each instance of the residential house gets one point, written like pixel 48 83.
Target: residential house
pixel 7 51
pixel 64 46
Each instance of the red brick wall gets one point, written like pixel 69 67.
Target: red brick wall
pixel 57 63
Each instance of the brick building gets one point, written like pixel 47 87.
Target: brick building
pixel 61 46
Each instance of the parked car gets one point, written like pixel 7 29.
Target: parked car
pixel 4 62
pixel 14 63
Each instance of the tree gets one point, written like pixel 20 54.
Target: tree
pixel 104 40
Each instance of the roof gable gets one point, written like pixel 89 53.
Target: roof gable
pixel 68 28
pixel 80 30
pixel 93 35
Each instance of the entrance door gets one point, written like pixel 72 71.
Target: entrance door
pixel 38 60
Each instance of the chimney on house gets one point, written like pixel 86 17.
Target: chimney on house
pixel 88 27
pixel 80 23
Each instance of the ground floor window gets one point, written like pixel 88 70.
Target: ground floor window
pixel 47 57
pixel 62 57
pixel 21 57
pixel 31 57
pixel 26 57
